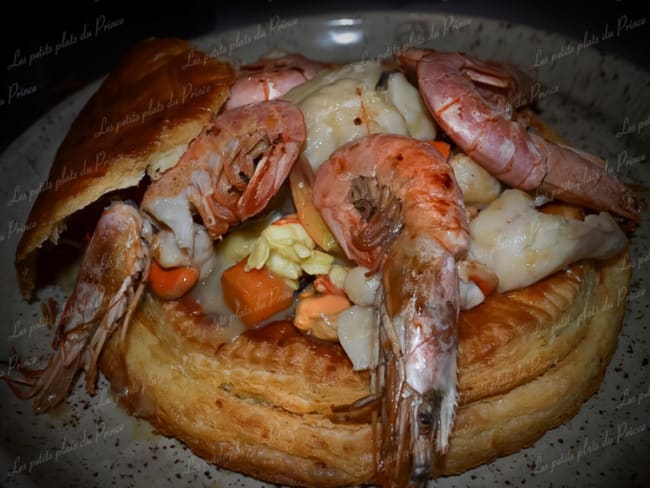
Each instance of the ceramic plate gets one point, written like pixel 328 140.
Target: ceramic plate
pixel 597 102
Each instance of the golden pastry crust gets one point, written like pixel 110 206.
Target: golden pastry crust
pixel 515 337
pixel 262 405
pixel 140 120
pixel 516 418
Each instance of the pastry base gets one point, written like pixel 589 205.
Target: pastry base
pixel 262 404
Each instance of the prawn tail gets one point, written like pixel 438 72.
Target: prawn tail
pixel 582 179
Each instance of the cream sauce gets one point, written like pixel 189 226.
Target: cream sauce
pixel 208 293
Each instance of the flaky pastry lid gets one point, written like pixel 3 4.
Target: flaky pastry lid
pixel 139 121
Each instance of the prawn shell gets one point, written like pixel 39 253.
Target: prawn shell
pixel 483 133
pixel 479 120
pixel 270 78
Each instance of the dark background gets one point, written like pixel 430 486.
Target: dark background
pixel 27 26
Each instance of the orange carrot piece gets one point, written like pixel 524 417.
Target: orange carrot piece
pixel 441 146
pixel 564 209
pixel 287 219
pixel 254 295
pixel 484 282
pixel 171 283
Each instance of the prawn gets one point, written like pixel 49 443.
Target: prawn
pixel 393 204
pixel 110 281
pixel 271 77
pixel 461 93
pixel 228 173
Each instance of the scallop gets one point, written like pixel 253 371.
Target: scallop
pixel 358 332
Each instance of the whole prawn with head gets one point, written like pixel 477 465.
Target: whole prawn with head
pixel 466 96
pixel 228 173
pixel 393 204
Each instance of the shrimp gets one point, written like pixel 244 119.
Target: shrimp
pixel 110 281
pixel 461 93
pixel 503 86
pixel 393 204
pixel 228 173
pixel 270 78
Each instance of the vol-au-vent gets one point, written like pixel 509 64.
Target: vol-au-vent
pixel 332 274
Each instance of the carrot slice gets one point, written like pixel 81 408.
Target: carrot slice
pixel 171 283
pixel 564 209
pixel 287 219
pixel 441 146
pixel 254 295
